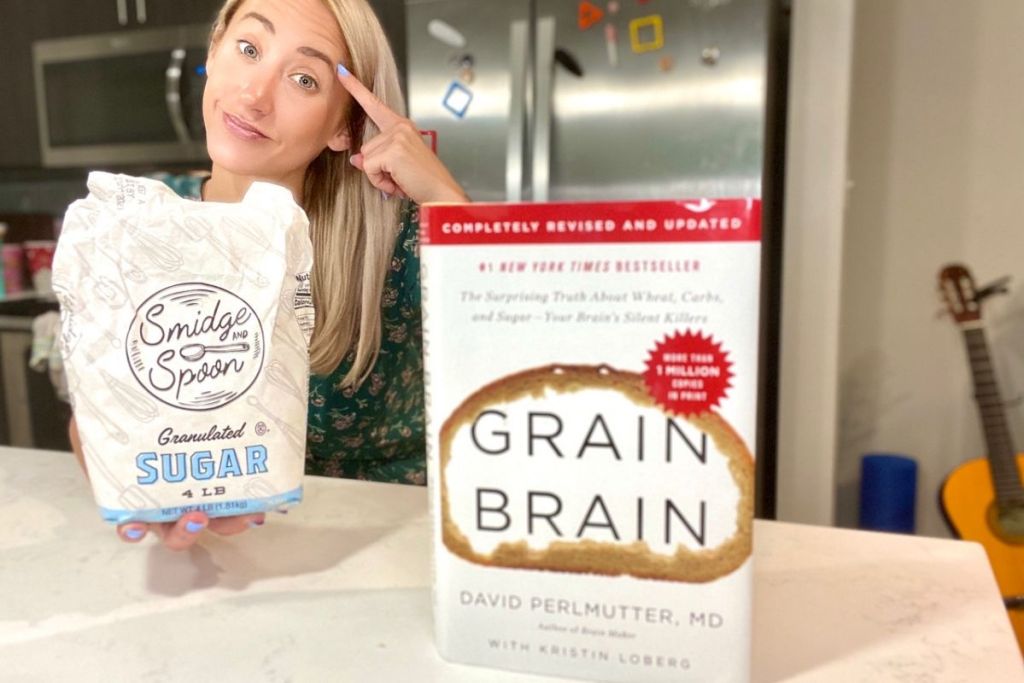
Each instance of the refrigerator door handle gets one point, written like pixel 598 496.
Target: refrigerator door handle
pixel 172 95
pixel 545 60
pixel 519 39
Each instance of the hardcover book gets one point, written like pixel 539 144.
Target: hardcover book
pixel 591 408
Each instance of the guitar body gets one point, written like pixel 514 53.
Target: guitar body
pixel 968 499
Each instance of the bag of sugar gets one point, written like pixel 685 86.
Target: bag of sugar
pixel 184 330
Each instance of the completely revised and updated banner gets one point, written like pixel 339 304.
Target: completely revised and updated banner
pixel 724 220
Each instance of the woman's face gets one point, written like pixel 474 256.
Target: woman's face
pixel 272 101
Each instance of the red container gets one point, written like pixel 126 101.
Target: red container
pixel 14 268
pixel 40 263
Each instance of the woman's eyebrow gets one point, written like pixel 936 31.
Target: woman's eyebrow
pixel 313 52
pixel 267 23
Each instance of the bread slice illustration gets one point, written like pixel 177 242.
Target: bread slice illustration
pixel 637 558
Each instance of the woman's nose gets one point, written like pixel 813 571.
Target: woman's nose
pixel 256 91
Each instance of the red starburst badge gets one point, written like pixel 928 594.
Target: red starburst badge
pixel 688 373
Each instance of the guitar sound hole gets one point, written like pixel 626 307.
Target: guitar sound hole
pixel 1007 523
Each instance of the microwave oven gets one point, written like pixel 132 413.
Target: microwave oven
pixel 125 98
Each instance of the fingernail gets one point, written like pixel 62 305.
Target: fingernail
pixel 134 533
pixel 193 527
pixel 342 71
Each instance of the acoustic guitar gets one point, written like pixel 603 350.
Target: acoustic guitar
pixel 983 499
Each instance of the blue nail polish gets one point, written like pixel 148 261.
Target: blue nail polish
pixel 134 534
pixel 193 527
pixel 342 71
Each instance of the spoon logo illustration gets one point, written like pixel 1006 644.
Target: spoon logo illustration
pixel 195 346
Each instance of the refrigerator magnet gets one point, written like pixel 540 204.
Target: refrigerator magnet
pixel 611 42
pixel 465 65
pixel 651 25
pixel 457 99
pixel 446 33
pixel 589 14
pixel 568 62
pixel 430 139
pixel 709 56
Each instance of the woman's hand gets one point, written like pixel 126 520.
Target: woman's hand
pixel 183 533
pixel 177 535
pixel 397 161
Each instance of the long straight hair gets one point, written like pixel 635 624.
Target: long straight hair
pixel 353 227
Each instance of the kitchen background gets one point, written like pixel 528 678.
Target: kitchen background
pixel 894 123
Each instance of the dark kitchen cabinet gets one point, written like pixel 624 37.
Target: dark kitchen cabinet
pixel 175 12
pixel 82 17
pixel 19 132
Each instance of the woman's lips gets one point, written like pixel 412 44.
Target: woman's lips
pixel 241 129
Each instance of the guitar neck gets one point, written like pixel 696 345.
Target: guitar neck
pixel 1002 455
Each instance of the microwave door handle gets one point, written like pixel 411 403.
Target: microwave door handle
pixel 545 60
pixel 519 38
pixel 173 95
pixel 122 12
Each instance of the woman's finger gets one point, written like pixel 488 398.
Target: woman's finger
pixel 133 532
pixel 378 112
pixel 229 526
pixel 403 134
pixel 183 534
pixel 377 172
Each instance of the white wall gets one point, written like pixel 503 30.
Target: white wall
pixel 936 164
pixel 816 159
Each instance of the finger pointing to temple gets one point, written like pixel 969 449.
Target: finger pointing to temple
pixel 378 112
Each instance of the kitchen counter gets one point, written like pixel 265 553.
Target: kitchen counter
pixel 338 589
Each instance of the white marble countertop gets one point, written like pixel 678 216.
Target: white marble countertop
pixel 339 589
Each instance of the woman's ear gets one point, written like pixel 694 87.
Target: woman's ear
pixel 340 141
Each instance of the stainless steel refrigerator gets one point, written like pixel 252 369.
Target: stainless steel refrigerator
pixel 563 100
pixel 566 99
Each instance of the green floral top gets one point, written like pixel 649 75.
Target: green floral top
pixel 376 431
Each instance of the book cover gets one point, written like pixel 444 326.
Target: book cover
pixel 591 408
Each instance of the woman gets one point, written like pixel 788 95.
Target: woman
pixel 285 101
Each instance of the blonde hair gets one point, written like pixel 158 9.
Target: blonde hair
pixel 352 225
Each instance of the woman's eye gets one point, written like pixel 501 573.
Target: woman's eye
pixel 248 49
pixel 305 81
